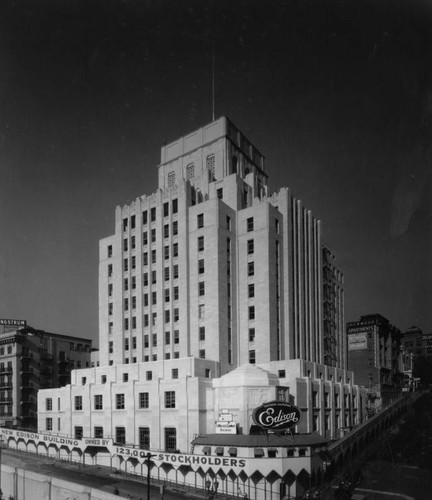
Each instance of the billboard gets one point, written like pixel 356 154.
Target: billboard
pixel 13 322
pixel 276 415
pixel 357 341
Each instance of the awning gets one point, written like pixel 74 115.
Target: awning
pixel 219 449
pixel 206 449
pixel 232 451
pixel 259 452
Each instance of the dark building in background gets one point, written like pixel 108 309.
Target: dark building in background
pixel 374 355
pixel 417 342
pixel 30 360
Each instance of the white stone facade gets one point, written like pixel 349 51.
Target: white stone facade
pixel 214 266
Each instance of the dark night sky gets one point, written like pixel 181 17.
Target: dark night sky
pixel 336 94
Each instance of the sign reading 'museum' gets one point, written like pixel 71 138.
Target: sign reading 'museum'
pixel 276 415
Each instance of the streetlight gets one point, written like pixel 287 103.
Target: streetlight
pixel 149 463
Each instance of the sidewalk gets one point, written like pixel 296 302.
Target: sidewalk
pixel 103 478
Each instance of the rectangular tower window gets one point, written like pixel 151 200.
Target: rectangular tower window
pixel 98 432
pixel 98 402
pixel 202 332
pixel 250 247
pixel 175 206
pixel 201 288
pixel 144 438
pixel 249 224
pixel 120 401
pixel 166 209
pixel 170 439
pixel 144 217
pixel 143 399
pixel 170 400
pixel 251 290
pixel 175 228
pixel 200 243
pixel 153 214
pixel 200 220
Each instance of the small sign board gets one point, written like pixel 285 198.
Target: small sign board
pixel 226 428
pixel 225 417
pixel 13 322
pixel 276 415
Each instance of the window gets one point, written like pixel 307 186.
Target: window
pixel 153 277
pixel 167 294
pixel 125 264
pixel 219 193
pixel 207 373
pixel 251 290
pixel 78 432
pixel 190 171
pixel 252 356
pixel 251 268
pixel 176 337
pixel 201 288
pixel 143 400
pixel 175 228
pixel 251 334
pixel 110 270
pixel 98 402
pixel 250 247
pixel 153 235
pixel 249 224
pixel 48 404
pixel 167 338
pixel 132 221
pixel 78 402
pixel 175 250
pixel 175 271
pixel 103 379
pixel 145 238
pixel 201 311
pixel 176 315
pixel 145 279
pixel 175 206
pixel 202 353
pixel 49 424
pixel 210 164
pixel 153 214
pixel 154 298
pixel 133 242
pixel 202 332
pixel 125 245
pixel 171 179
pixel 167 273
pixel 145 259
pixel 174 373
pixel 133 262
pixel 144 437
pixel 170 399
pixel 154 316
pixel 149 375
pixel 120 435
pixel 110 347
pixel 134 342
pixel 251 312
pixel 153 256
pixel 144 217
pixel 200 220
pixel 83 380
pixel 166 230
pixel 166 252
pixel 167 316
pixel 126 326
pixel 281 374
pixel 176 293
pixel 110 251
pixel 170 439
pixel 201 266
pixel 120 401
pixel 228 223
pixel 200 243
pixel 125 377
pixel 98 432
pixel 125 224
pixel 166 209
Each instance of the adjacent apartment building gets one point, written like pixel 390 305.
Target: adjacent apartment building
pixel 32 359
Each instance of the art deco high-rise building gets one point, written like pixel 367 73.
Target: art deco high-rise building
pixel 213 265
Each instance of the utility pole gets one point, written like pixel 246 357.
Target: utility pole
pixel 149 464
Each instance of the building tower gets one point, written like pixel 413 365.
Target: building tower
pixel 212 265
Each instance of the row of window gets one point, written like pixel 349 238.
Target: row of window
pixel 145 215
pixel 9 350
pixel 120 400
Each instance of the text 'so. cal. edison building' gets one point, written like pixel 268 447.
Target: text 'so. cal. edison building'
pixel 215 296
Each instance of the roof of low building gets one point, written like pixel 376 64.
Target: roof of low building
pixel 261 440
